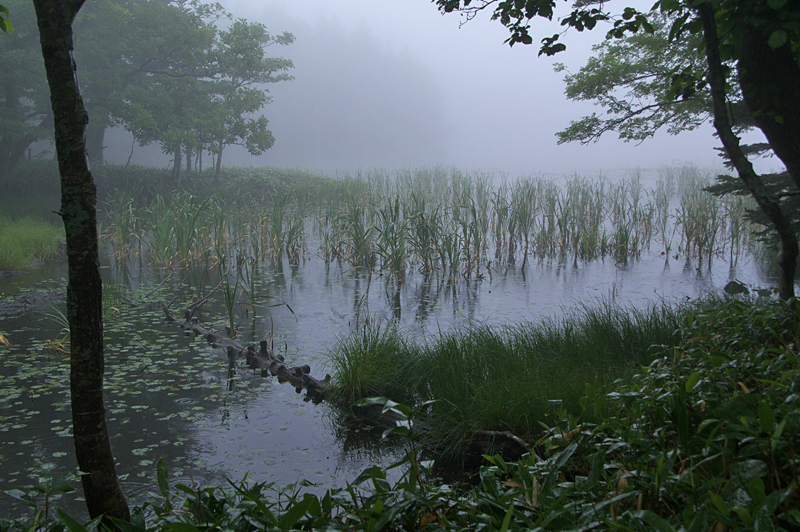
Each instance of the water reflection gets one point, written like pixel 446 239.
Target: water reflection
pixel 172 395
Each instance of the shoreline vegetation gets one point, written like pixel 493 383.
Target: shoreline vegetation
pixel 506 379
pixel 667 418
pixel 704 437
pixel 26 241
pixel 438 221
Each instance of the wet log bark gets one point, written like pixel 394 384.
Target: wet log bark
pixel 508 445
pixel 262 358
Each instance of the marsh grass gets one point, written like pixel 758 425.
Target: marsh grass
pixel 374 360
pixel 436 220
pixel 506 378
pixel 25 239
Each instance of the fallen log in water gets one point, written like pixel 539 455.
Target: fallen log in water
pixel 504 443
pixel 262 358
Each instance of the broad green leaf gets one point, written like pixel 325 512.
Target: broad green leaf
pixel 74 526
pixel 658 523
pixel 720 504
pixel 507 519
pixel 694 378
pixel 766 416
pixel 125 526
pixel 295 513
pixel 777 39
pixel 180 527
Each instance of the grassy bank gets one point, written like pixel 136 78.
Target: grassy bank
pixel 25 239
pixel 510 378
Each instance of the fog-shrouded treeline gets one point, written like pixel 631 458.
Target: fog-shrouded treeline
pixel 177 83
pixel 187 77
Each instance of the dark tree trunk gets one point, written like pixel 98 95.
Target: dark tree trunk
pixel 176 167
pixel 218 169
pixel 768 202
pixel 188 160
pixel 13 150
pixel 770 82
pixel 84 287
pixel 94 144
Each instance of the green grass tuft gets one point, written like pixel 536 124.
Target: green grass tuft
pixel 25 239
pixel 508 378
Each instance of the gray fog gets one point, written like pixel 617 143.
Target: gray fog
pixel 393 83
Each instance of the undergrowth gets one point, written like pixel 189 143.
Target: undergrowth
pixel 703 438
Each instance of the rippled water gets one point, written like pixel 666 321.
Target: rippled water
pixel 171 395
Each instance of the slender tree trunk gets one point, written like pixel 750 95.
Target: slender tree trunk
pixel 84 287
pixel 13 150
pixel 218 170
pixel 770 82
pixel 177 167
pixel 188 160
pixel 768 202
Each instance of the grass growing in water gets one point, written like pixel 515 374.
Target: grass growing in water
pixel 375 360
pixel 25 239
pixel 509 378
pixel 702 439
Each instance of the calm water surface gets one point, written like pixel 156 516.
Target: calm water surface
pixel 171 395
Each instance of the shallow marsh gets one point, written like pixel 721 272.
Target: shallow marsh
pixel 174 396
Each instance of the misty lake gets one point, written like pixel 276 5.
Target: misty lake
pixel 171 395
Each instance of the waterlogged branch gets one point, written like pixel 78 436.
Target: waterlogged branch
pixel 262 358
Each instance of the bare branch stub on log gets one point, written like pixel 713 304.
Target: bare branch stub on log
pixel 262 358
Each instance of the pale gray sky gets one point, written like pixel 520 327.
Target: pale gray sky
pixel 393 83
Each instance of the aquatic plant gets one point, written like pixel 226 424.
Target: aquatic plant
pixel 355 234
pixel 124 223
pixel 373 360
pixel 435 220
pixel 392 235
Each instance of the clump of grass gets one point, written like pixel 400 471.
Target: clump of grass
pixel 375 360
pixel 25 239
pixel 508 378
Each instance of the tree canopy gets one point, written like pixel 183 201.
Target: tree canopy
pixel 630 80
pixel 209 71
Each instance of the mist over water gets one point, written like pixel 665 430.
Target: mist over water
pixel 395 84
